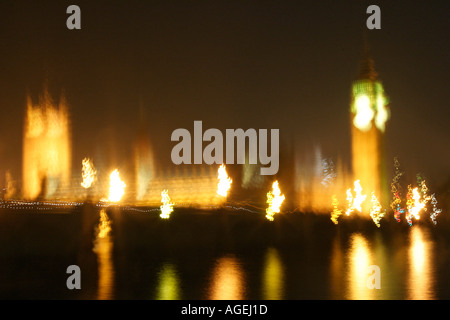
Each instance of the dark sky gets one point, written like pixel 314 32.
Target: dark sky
pixel 232 64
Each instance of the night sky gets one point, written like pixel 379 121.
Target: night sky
pixel 231 64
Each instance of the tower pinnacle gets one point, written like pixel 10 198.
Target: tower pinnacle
pixel 367 64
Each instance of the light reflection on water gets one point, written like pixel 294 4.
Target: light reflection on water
pixel 406 266
pixel 334 268
pixel 228 278
pixel 406 271
pixel 168 287
pixel 273 279
pixel 360 258
pixel 420 273
pixel 103 248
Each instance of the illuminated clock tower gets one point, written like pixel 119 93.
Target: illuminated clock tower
pixel 369 113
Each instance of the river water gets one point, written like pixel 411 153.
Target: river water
pixel 219 255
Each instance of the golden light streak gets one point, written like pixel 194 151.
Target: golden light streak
pixel 409 204
pixel 273 275
pixel 104 226
pixel 382 114
pixel 360 257
pixel 424 192
pixel 227 280
pixel 224 184
pixel 376 213
pixel 116 187
pixel 336 212
pixel 46 148
pixel 354 202
pixel 414 204
pixel 418 205
pixel 103 247
pixel 359 197
pixel 350 202
pixel 167 206
pixel 274 199
pixel 436 211
pixel 169 284
pixel 420 277
pixel 395 189
pixel 88 173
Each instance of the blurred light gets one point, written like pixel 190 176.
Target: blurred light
pixel 359 260
pixel 376 212
pixel 167 206
pixel 224 184
pixel 169 284
pixel 336 212
pixel 274 199
pixel 436 211
pixel 227 280
pixel 364 113
pixel 273 276
pixel 354 202
pixel 103 247
pixel 116 187
pixel 414 204
pixel 420 277
pixel 46 148
pixel 88 173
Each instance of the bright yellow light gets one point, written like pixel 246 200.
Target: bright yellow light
pixel 274 199
pixel 336 212
pixel 376 212
pixel 169 284
pixel 420 276
pixel 224 182
pixel 103 247
pixel 364 113
pixel 46 148
pixel 424 191
pixel 181 183
pixel 354 203
pixel 350 202
pixel 88 173
pixel 396 201
pixel 359 197
pixel 116 187
pixel 167 206
pixel 273 281
pixel 104 227
pixel 416 204
pixel 228 280
pixel 382 114
pixel 360 257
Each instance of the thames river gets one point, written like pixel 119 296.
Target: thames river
pixel 219 255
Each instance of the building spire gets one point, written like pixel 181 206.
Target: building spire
pixel 367 64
